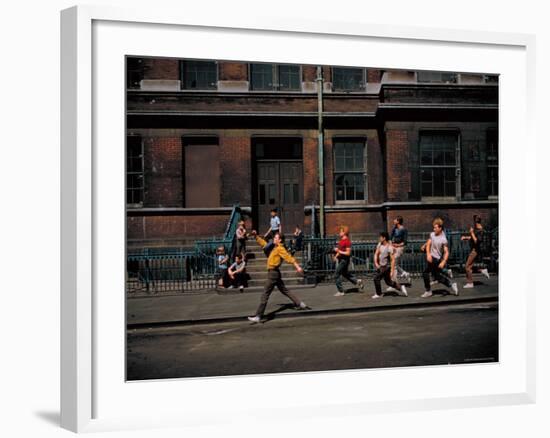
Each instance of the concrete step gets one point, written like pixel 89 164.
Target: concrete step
pixel 262 272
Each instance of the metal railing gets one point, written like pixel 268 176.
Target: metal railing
pixel 160 270
pixel 154 270
pixel 318 261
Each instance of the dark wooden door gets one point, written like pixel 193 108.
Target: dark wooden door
pixel 280 185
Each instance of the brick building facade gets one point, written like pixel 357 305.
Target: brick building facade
pixel 205 135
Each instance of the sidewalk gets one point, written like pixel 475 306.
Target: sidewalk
pixel 209 308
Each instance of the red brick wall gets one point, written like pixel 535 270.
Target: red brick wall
pixel 309 73
pixel 374 75
pixel 175 227
pixel 161 68
pixel 397 165
pixel 235 164
pixel 375 171
pixel 163 172
pixel 358 221
pixel 454 218
pixel 233 71
pixel 311 186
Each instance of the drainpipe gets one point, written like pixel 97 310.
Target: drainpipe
pixel 320 147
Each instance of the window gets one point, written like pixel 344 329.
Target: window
pixel 348 79
pixel 202 172
pixel 438 164
pixel 199 75
pixel 134 170
pixel 349 170
pixel 436 76
pixel 490 79
pixel 275 77
pixel 134 72
pixel 492 162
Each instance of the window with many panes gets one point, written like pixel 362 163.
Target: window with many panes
pixel 275 77
pixel 436 76
pixel 348 79
pixel 492 162
pixel 438 163
pixel 199 75
pixel 134 170
pixel 349 170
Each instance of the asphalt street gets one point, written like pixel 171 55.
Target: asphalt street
pixel 442 335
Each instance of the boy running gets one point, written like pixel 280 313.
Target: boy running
pixel 474 237
pixel 398 239
pixel 274 260
pixel 384 261
pixel 343 255
pixel 437 254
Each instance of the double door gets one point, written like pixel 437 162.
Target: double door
pixel 280 186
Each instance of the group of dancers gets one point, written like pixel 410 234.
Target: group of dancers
pixel 387 260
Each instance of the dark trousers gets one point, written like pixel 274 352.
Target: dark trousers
pixel 224 276
pixel 239 279
pixel 383 272
pixel 433 268
pixel 342 270
pixel 274 279
pixel 239 248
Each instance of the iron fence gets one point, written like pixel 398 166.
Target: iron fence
pixel 155 270
pixel 318 261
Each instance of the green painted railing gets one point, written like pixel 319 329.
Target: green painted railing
pixel 318 261
pixel 154 270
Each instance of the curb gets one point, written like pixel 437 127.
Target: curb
pixel 313 312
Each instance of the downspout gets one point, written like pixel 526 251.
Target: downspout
pixel 320 148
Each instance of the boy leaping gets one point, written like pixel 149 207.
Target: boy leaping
pixel 275 258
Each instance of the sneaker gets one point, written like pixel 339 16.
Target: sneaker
pixel 339 294
pixel 468 286
pixel 230 287
pixel 454 288
pixel 450 273
pixel 392 289
pixel 302 306
pixel 485 272
pixel 360 284
pixel 254 319
pixel 426 294
pixel 241 288
pixel 375 296
pixel 404 290
pixel 433 282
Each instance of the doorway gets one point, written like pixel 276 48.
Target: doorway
pixel 279 182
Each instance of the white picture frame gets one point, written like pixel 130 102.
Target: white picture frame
pixel 86 366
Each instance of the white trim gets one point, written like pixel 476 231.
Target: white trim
pixel 78 206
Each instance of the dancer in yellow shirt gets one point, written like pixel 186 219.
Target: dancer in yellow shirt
pixel 274 260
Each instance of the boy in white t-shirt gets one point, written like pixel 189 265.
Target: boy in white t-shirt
pixel 437 254
pixel 384 261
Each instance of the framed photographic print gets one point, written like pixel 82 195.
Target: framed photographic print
pixel 310 208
